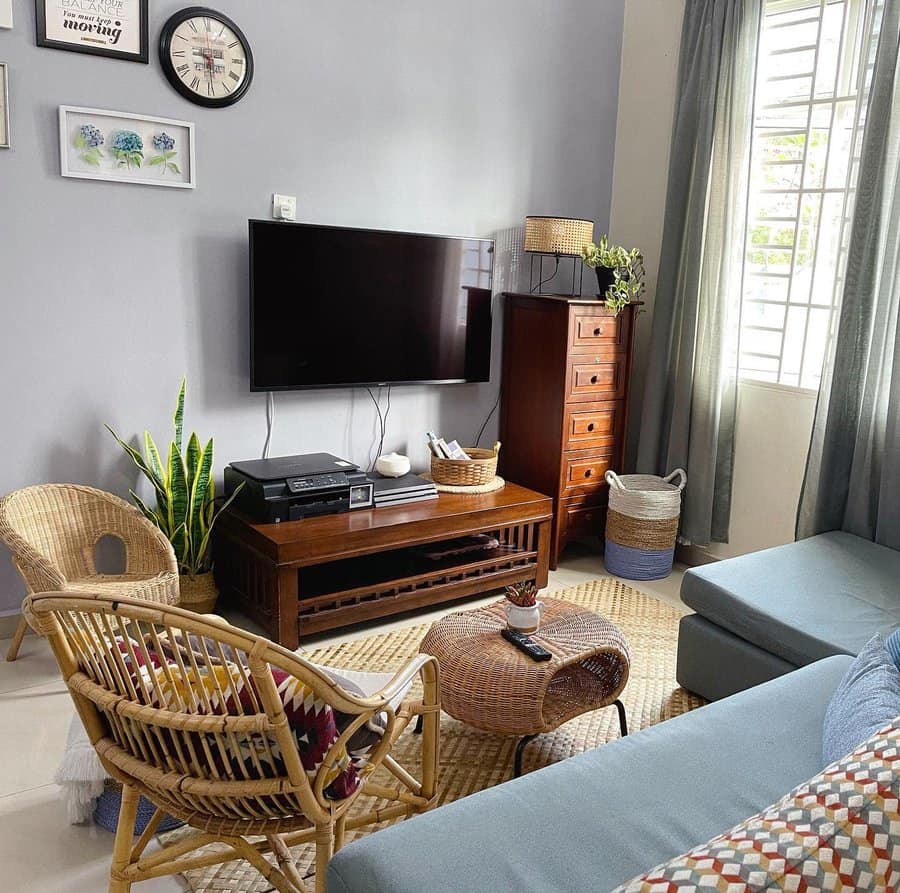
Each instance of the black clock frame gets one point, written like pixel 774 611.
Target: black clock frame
pixel 165 43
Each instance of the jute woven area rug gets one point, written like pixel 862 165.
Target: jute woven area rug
pixel 471 760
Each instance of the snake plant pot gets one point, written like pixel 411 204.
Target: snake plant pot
pixel 198 592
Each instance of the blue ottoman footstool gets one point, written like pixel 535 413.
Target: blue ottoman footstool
pixel 761 615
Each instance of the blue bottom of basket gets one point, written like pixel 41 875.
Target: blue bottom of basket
pixel 638 564
pixel 106 813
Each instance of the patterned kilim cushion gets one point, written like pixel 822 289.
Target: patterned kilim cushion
pixel 312 721
pixel 838 832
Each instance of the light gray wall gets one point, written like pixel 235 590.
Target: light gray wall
pixel 457 117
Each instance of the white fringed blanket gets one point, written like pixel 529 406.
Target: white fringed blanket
pixel 80 775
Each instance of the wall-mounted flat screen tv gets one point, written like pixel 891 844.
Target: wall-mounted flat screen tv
pixel 337 307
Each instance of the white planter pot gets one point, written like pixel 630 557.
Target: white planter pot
pixel 524 620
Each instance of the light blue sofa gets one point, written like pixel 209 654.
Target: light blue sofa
pixel 764 614
pixel 600 818
pixel 772 636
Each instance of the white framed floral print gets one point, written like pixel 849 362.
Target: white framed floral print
pixel 121 147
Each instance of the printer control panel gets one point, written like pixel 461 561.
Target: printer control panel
pixel 316 482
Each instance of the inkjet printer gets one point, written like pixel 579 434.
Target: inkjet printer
pixel 293 487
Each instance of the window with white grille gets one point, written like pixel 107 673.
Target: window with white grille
pixel 814 57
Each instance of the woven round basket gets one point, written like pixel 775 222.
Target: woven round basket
pixel 642 524
pixel 109 803
pixel 198 592
pixel 476 471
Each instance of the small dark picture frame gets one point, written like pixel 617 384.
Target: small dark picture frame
pixel 84 30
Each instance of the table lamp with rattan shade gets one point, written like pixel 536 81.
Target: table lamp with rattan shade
pixel 557 237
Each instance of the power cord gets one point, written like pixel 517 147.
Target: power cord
pixel 382 420
pixel 493 410
pixel 270 422
pixel 543 282
pixel 500 389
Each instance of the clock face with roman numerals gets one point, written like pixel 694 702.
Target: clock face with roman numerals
pixel 206 57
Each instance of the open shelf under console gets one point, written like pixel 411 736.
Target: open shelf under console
pixel 302 577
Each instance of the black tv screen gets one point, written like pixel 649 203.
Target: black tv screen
pixel 337 307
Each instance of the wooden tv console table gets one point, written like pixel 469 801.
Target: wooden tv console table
pixel 301 577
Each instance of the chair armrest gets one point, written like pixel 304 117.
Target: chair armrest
pixel 405 675
pixel 218 620
pixel 148 548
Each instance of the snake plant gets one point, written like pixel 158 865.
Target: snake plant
pixel 185 492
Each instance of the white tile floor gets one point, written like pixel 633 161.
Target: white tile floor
pixel 39 851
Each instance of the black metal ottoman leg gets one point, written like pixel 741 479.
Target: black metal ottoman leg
pixel 623 722
pixel 520 747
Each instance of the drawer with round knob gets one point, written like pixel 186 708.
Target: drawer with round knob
pixel 594 424
pixel 585 474
pixel 580 519
pixel 594 327
pixel 591 378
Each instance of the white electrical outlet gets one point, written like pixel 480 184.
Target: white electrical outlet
pixel 284 207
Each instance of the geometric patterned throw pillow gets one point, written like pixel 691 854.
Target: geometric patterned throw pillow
pixel 838 832
pixel 311 719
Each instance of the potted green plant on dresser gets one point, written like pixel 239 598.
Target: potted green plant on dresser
pixel 620 273
pixel 185 505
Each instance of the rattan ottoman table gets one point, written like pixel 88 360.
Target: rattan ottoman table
pixel 488 683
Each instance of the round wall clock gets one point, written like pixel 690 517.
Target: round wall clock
pixel 206 57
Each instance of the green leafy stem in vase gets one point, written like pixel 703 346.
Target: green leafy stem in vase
pixel 627 268
pixel 128 148
pixel 165 146
pixel 88 141
pixel 185 492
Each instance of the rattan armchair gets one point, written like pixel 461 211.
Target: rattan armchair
pixel 205 737
pixel 52 531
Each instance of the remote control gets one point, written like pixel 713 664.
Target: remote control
pixel 526 644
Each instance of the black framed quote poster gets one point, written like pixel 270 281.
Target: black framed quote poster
pixel 117 29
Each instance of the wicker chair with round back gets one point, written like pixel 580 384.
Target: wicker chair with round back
pixel 233 734
pixel 53 530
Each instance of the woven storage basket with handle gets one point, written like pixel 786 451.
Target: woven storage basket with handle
pixel 642 524
pixel 480 469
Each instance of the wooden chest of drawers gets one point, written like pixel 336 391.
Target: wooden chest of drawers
pixel 566 376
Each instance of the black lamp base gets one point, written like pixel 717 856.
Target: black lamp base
pixel 538 278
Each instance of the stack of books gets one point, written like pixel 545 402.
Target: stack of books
pixel 398 491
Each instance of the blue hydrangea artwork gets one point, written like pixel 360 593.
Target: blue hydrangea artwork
pixel 165 160
pixel 92 136
pixel 88 141
pixel 125 148
pixel 128 148
pixel 164 142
